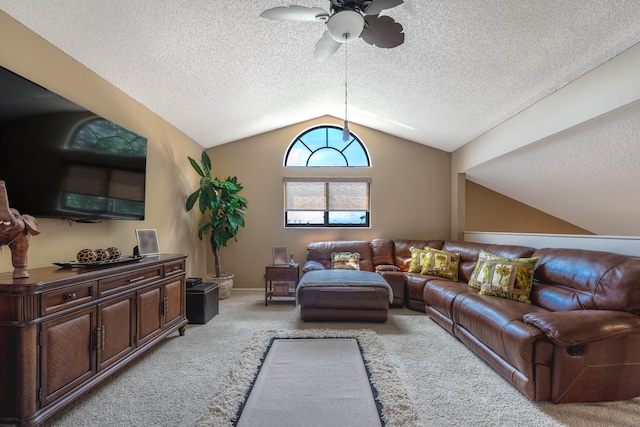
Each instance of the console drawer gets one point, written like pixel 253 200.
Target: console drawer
pixel 71 296
pixel 173 268
pixel 120 282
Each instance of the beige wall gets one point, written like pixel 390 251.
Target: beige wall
pixel 410 195
pixel 169 179
pixel 487 210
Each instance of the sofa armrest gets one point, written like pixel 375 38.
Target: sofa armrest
pixel 386 267
pixel 581 327
pixel 396 280
pixel 312 265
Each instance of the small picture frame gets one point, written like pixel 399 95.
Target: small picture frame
pixel 280 255
pixel 147 241
pixel 280 289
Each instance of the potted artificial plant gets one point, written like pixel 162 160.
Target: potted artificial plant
pixel 223 209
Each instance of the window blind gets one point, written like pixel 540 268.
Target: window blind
pixel 305 196
pixel 321 194
pixel 348 196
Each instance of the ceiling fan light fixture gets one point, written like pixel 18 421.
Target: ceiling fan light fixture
pixel 345 26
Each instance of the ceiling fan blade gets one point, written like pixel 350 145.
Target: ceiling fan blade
pixel 296 13
pixel 382 31
pixel 325 47
pixel 378 5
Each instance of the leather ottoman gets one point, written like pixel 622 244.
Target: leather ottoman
pixel 202 302
pixel 344 295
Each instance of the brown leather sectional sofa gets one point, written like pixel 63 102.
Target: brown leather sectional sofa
pixel 579 340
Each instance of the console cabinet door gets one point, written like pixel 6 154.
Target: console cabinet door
pixel 150 308
pixel 174 298
pixel 116 330
pixel 68 353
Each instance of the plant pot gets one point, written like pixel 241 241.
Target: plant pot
pixel 225 283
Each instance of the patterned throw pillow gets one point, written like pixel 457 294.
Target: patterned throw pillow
pixel 507 279
pixel 345 260
pixel 440 263
pixel 417 256
pixel 484 256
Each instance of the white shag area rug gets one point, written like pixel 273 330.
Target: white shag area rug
pixel 396 406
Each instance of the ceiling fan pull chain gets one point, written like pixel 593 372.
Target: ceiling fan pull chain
pixel 345 129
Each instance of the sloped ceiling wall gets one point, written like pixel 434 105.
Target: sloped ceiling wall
pixel 588 176
pixel 489 211
pixel 574 155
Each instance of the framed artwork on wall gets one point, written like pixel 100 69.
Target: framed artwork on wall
pixel 280 255
pixel 147 241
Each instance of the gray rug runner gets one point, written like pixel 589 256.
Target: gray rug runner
pixel 311 382
pixel 283 394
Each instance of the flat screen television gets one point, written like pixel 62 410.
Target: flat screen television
pixel 60 160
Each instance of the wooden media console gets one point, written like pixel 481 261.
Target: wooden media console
pixel 63 331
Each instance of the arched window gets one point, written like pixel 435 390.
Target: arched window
pixel 326 201
pixel 324 146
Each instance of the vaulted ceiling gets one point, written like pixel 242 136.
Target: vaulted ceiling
pixel 219 72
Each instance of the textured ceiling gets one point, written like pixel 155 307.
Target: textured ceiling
pixel 219 72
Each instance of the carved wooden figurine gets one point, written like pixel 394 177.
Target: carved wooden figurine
pixel 15 231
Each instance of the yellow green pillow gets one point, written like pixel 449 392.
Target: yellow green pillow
pixel 417 255
pixel 345 260
pixel 506 279
pixel 484 256
pixel 440 263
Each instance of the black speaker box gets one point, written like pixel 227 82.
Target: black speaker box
pixel 192 281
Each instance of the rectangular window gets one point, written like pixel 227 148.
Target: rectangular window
pixel 326 202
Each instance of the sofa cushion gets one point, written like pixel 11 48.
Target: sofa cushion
pixel 382 250
pixel 576 279
pixel 402 250
pixel 417 258
pixel 440 263
pixel 414 290
pixel 440 294
pixel 485 255
pixel 345 261
pixel 469 252
pixel 498 324
pixel 482 257
pixel 506 279
pixel 321 252
pixel 523 276
pixel 312 265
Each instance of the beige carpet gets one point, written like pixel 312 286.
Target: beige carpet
pixel 447 384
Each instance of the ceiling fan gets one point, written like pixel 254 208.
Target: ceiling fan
pixel 348 20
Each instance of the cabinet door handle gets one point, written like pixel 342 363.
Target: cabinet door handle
pixel 98 339
pixel 135 279
pixel 71 296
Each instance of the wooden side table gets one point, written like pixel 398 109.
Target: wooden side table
pixel 280 273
